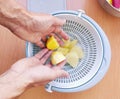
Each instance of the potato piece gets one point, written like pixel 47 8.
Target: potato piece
pixel 72 59
pixel 72 43
pixel 52 43
pixel 64 51
pixel 66 43
pixel 78 50
pixel 69 43
pixel 57 57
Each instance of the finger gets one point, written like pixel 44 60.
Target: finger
pixel 44 38
pixel 40 54
pixel 56 74
pixel 58 21
pixel 49 65
pixel 53 76
pixel 37 39
pixel 61 73
pixel 41 83
pixel 45 58
pixel 60 32
pixel 60 65
pixel 57 38
pixel 40 44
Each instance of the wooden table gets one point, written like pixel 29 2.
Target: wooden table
pixel 13 49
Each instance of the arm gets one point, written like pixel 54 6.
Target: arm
pixel 12 84
pixel 29 26
pixel 12 14
pixel 29 72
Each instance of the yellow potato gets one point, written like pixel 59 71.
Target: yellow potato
pixel 69 51
pixel 52 43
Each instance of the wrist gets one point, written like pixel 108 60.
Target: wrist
pixel 13 84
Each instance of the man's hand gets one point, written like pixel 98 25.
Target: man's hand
pixel 30 26
pixel 40 27
pixel 29 72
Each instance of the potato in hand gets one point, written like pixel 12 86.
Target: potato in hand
pixel 52 43
pixel 57 57
pixel 69 51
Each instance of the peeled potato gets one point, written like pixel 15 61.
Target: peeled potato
pixel 69 43
pixel 72 59
pixel 73 43
pixel 66 43
pixel 78 50
pixel 69 51
pixel 57 57
pixel 64 51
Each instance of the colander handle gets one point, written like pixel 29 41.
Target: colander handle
pixel 48 88
pixel 80 12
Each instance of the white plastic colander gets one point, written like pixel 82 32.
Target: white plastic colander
pixel 97 53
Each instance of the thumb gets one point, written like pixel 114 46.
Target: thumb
pixel 58 21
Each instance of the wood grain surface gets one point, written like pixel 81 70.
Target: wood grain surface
pixel 13 49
